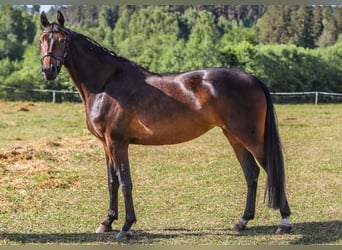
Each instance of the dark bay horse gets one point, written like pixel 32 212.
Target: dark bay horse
pixel 126 104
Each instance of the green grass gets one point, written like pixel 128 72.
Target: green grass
pixel 53 182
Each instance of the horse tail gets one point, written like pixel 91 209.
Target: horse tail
pixel 274 161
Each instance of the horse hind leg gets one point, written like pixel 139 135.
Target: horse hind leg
pixel 247 158
pixel 251 173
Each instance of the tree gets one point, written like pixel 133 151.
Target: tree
pixel 35 9
pixel 142 35
pixel 337 14
pixel 121 30
pixel 108 16
pixel 175 38
pixel 329 34
pixel 274 25
pixel 172 57
pixel 303 33
pixel 187 21
pixel 16 31
pixel 317 23
pixel 202 47
pixel 236 34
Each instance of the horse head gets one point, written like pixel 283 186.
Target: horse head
pixel 53 46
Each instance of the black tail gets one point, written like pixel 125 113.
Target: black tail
pixel 274 162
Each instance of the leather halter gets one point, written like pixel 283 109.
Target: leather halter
pixel 60 59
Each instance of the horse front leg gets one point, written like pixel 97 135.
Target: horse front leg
pixel 113 187
pixel 120 154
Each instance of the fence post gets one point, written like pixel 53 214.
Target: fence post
pixel 316 98
pixel 54 96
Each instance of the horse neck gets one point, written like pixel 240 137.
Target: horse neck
pixel 89 72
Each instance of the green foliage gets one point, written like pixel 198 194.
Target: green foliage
pixel 241 55
pixel 7 66
pixel 108 16
pixel 304 26
pixel 16 32
pixel 272 27
pixel 291 48
pixel 331 67
pixel 291 68
pixel 201 50
pixel 281 66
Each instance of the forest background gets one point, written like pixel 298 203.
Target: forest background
pixel 290 48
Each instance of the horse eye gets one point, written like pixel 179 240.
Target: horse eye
pixel 62 40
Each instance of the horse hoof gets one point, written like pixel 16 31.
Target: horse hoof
pixel 124 234
pixel 103 229
pixel 284 229
pixel 239 226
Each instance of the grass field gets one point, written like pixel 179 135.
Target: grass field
pixel 53 186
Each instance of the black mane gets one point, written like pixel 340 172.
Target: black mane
pixel 98 46
pixel 103 50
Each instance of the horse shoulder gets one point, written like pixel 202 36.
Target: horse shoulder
pixel 101 109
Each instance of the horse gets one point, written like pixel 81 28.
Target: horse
pixel 127 104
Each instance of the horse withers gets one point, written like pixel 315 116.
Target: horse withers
pixel 126 104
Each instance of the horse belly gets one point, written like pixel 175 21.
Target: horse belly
pixel 170 131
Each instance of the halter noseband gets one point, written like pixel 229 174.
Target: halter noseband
pixel 60 59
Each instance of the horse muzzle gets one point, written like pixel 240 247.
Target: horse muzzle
pixel 50 73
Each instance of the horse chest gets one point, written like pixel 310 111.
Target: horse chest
pixel 103 115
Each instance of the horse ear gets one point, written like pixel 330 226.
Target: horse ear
pixel 43 19
pixel 60 18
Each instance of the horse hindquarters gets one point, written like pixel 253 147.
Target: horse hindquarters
pixel 249 123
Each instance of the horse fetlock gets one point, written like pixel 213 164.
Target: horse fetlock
pixel 112 215
pixel 285 226
pixel 128 224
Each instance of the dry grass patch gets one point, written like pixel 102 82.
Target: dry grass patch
pixel 40 167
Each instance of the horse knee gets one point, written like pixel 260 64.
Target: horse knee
pixel 113 184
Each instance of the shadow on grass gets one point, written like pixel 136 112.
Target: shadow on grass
pixel 309 232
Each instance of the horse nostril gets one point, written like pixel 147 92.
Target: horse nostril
pixel 53 68
pixel 49 73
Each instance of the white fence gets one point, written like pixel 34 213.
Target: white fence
pixel 314 97
pixel 54 92
pixel 13 93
